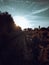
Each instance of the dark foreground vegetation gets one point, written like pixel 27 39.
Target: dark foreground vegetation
pixel 27 47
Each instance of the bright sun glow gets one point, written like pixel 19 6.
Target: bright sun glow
pixel 21 21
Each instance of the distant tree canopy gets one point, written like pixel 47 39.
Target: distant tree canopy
pixel 7 23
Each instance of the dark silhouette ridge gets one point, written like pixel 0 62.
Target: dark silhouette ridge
pixel 6 21
pixel 12 47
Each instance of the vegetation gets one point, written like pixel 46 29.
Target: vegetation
pixel 27 47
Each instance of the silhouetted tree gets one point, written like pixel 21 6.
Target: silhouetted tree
pixel 12 43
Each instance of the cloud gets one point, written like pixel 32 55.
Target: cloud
pixel 39 11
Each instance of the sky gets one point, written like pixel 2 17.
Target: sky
pixel 34 12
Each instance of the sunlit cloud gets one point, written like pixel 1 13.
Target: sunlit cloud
pixel 21 21
pixel 39 11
